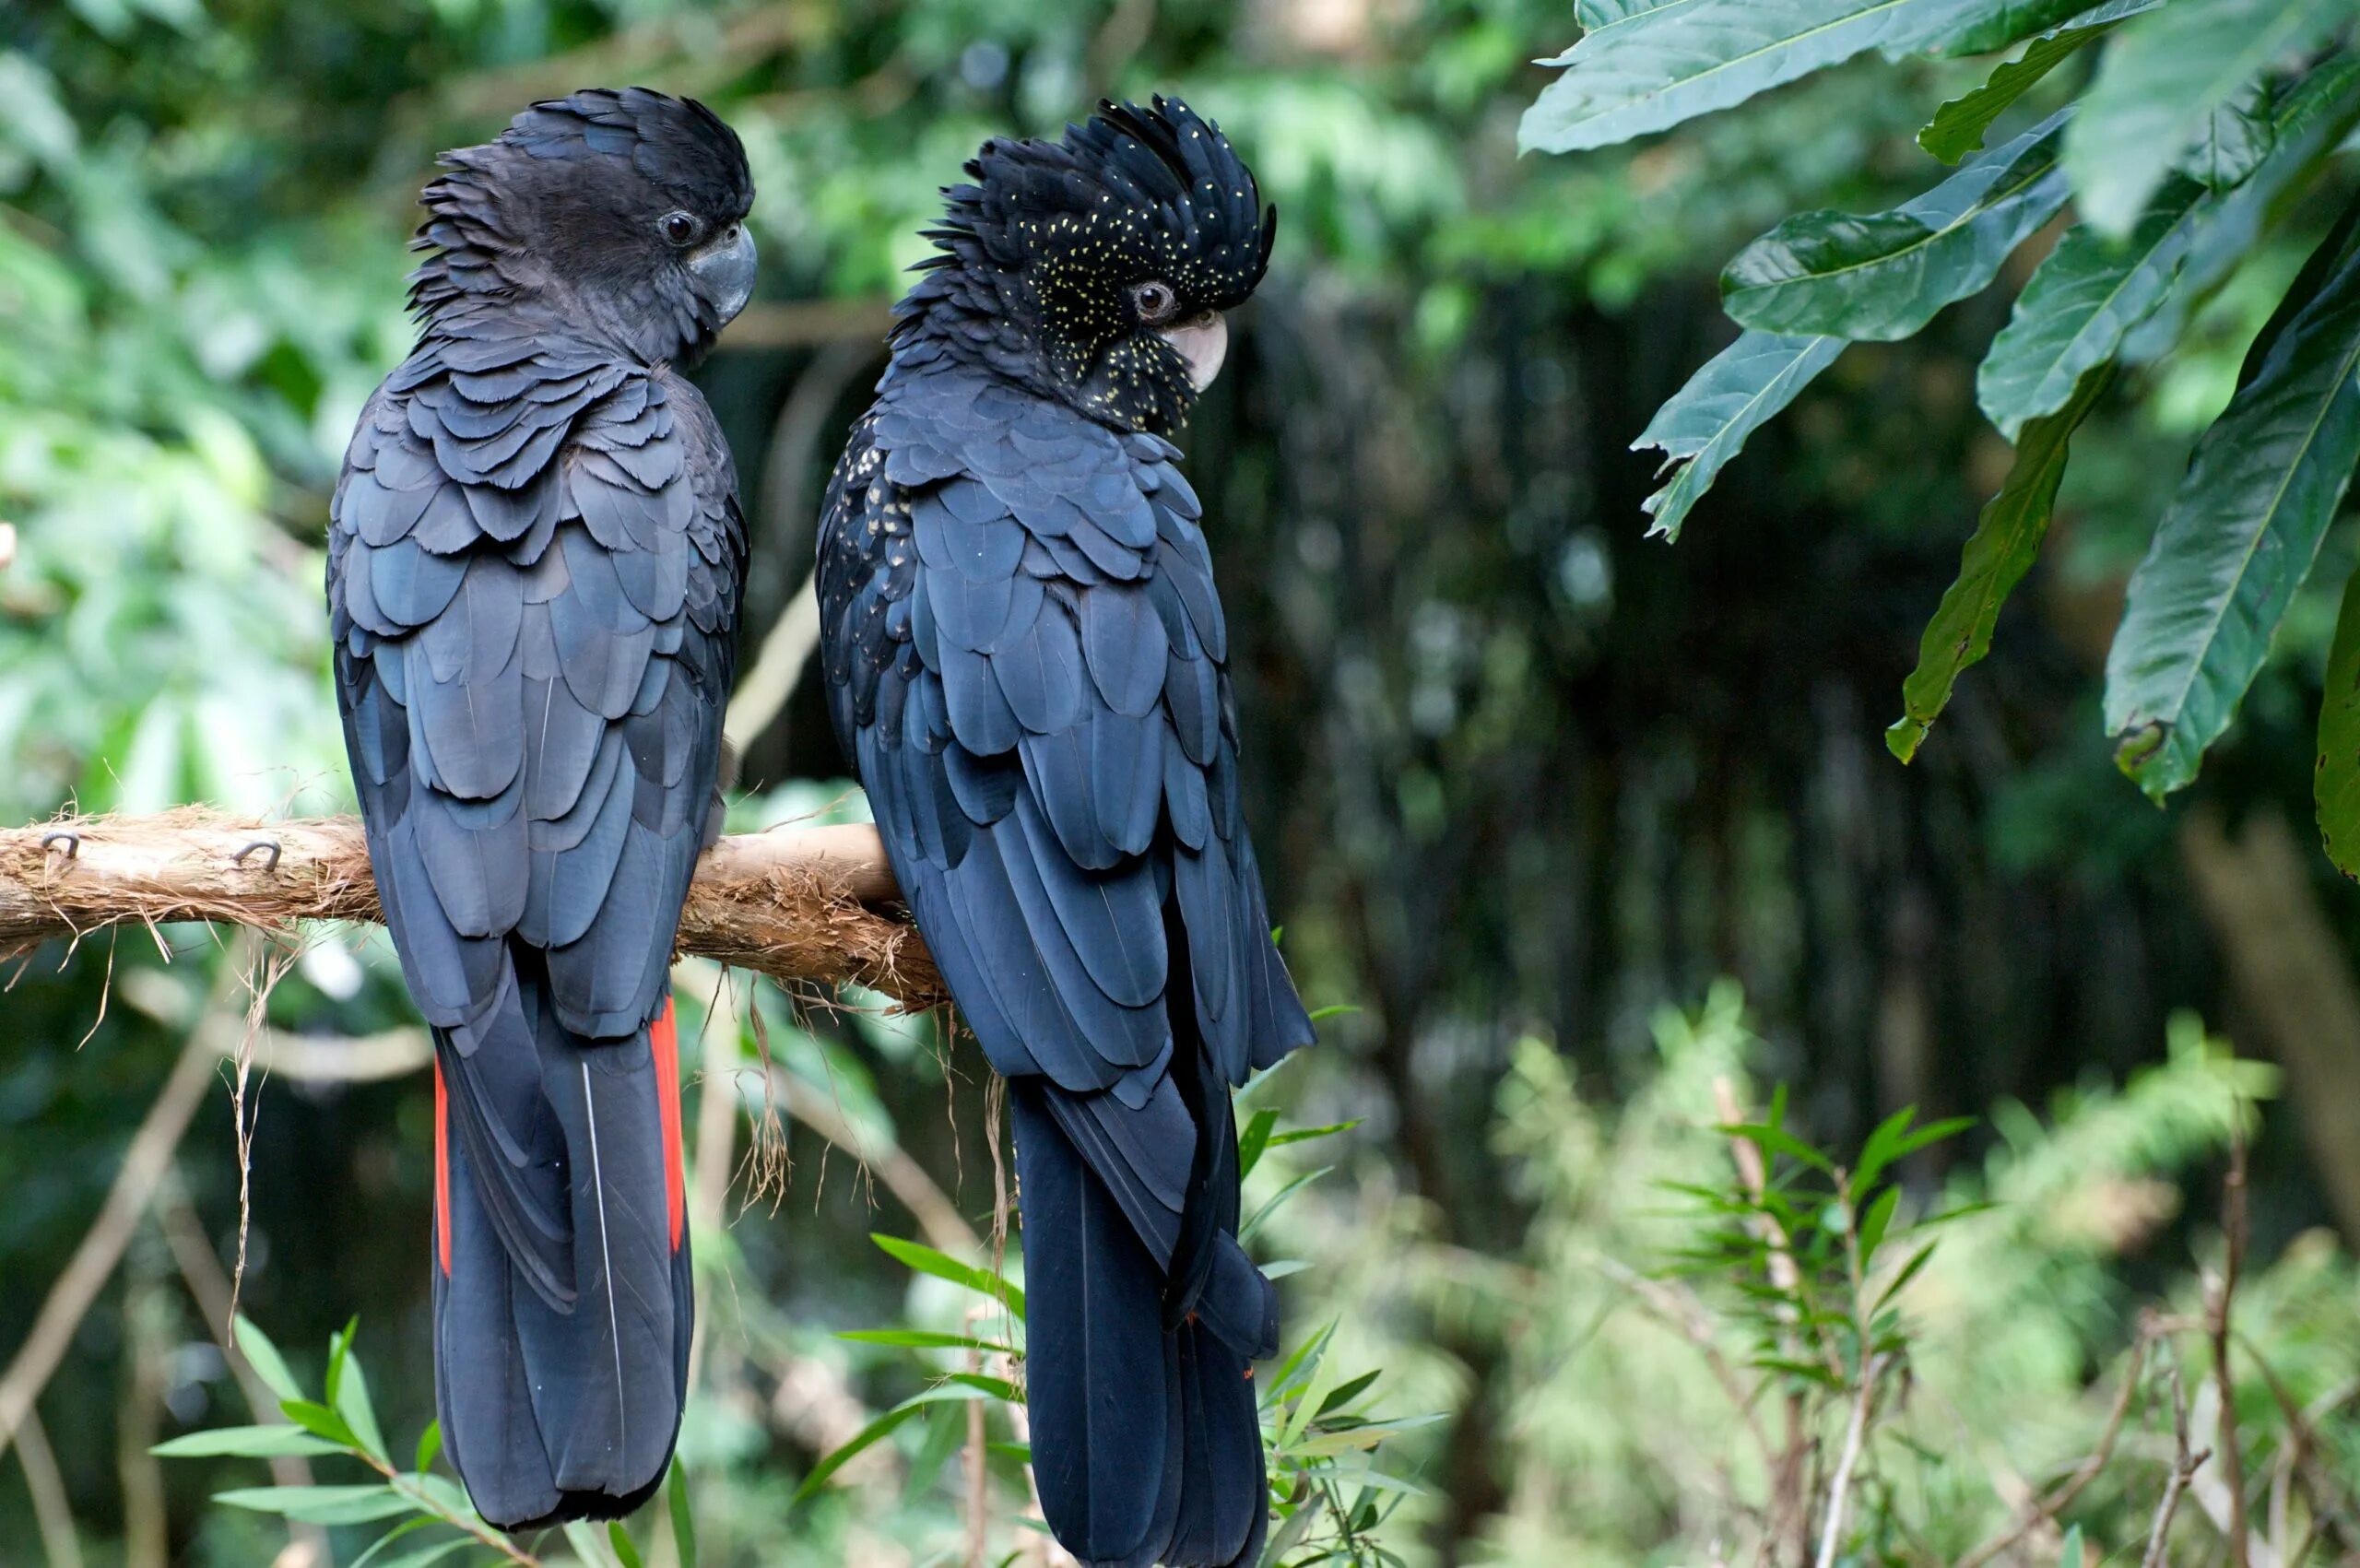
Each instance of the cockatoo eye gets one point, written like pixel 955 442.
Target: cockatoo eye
pixel 679 228
pixel 1154 300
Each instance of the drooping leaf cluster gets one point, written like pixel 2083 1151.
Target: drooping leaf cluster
pixel 2199 129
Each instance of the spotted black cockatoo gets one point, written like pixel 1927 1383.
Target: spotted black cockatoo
pixel 1027 663
pixel 533 574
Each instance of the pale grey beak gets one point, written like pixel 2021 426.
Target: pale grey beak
pixel 1203 341
pixel 724 269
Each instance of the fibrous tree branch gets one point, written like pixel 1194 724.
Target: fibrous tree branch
pixel 801 904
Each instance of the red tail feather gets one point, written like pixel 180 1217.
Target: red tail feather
pixel 664 1037
pixel 443 1169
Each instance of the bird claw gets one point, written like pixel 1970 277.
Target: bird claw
pixel 269 846
pixel 73 841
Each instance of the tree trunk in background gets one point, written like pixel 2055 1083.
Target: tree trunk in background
pixel 2292 977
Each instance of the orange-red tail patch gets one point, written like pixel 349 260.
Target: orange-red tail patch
pixel 662 1036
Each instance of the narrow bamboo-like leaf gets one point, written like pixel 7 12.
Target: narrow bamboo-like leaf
pixel 339 1348
pixel 684 1522
pixel 626 1549
pixel 1881 275
pixel 926 1260
pixel 2311 119
pixel 1308 1135
pixel 264 1356
pixel 1255 1222
pixel 921 1339
pixel 426 1555
pixel 245 1443
pixel 352 1404
pixel 881 1427
pixel 399 1532
pixel 1655 68
pixel 1773 1140
pixel 429 1443
pixel 1345 1393
pixel 2161 78
pixel 2075 312
pixel 317 1417
pixel 1875 1220
pixel 1958 127
pixel 2241 533
pixel 2007 538
pixel 583 1539
pixel 319 1504
pixel 1253 1139
pixel 1706 422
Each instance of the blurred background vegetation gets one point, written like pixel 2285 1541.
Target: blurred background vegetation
pixel 1540 799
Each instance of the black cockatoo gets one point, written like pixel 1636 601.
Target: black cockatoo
pixel 1026 661
pixel 533 575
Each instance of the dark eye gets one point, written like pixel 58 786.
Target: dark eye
pixel 1154 300
pixel 681 227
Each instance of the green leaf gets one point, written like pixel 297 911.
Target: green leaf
pixel 319 1504
pixel 684 1523
pixel 429 1443
pixel 1883 276
pixel 264 1356
pixel 1958 127
pixel 1917 1260
pixel 245 1443
pixel 2336 782
pixel 2240 535
pixel 584 1542
pixel 2311 120
pixel 339 1348
pixel 922 1339
pixel 2072 1554
pixel 1655 68
pixel 399 1532
pixel 626 1549
pixel 2006 538
pixel 2161 79
pixel 2076 310
pixel 1306 1135
pixel 1345 1393
pixel 1253 1139
pixel 926 1260
pixel 1773 1139
pixel 425 1555
pixel 318 1418
pixel 352 1404
pixel 1981 27
pixel 2235 138
pixel 881 1427
pixel 1255 1222
pixel 1876 1220
pixel 1706 422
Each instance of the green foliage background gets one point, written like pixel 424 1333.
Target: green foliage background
pixel 1524 779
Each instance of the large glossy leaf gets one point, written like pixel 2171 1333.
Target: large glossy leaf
pixel 1958 125
pixel 2335 782
pixel 1979 27
pixel 1706 422
pixel 2006 538
pixel 1883 276
pixel 2311 118
pixel 2241 533
pixel 1657 67
pixel 2235 139
pixel 2159 80
pixel 1596 14
pixel 2077 308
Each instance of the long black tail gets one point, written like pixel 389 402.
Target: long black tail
pixel 1146 1444
pixel 562 1305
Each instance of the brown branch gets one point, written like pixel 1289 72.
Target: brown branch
pixel 52 1512
pixel 794 902
pixel 2044 1509
pixel 2185 1464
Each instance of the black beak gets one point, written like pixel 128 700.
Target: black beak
pixel 724 269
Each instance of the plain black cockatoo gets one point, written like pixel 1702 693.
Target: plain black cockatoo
pixel 1027 663
pixel 533 575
